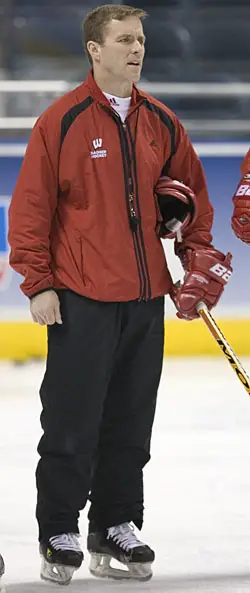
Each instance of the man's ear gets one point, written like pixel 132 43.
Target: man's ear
pixel 94 50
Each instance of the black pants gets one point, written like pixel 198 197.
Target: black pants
pixel 98 396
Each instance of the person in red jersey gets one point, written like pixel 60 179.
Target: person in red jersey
pixel 241 201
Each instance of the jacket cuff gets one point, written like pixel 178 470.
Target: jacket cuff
pixel 40 292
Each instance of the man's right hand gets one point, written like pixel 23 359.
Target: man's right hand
pixel 45 308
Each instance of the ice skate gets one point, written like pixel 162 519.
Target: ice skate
pixel 2 570
pixel 119 543
pixel 61 556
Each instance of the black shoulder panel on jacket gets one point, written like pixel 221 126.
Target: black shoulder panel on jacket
pixel 166 119
pixel 71 115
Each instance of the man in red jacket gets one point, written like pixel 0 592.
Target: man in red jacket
pixel 93 199
pixel 241 200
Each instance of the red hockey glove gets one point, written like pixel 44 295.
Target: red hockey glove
pixel 207 272
pixel 176 206
pixel 241 213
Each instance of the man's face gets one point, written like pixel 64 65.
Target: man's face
pixel 122 52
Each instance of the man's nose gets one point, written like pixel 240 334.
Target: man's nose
pixel 136 46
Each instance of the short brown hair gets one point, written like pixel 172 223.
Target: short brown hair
pixel 97 19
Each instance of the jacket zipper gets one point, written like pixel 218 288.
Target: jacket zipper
pixel 139 228
pixel 134 219
pixel 132 216
pixel 133 209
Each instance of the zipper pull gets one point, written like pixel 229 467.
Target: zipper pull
pixel 134 219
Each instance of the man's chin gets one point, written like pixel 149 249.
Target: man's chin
pixel 136 76
pixel 134 73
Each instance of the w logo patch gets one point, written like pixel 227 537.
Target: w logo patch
pixel 5 270
pixel 97 143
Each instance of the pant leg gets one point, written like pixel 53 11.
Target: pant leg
pixel 79 362
pixel 125 433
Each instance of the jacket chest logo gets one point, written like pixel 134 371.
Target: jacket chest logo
pixel 98 152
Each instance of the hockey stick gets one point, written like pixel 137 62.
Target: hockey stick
pixel 223 344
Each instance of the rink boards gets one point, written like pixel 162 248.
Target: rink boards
pixel 20 339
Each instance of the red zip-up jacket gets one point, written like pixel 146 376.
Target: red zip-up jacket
pixel 83 213
pixel 245 165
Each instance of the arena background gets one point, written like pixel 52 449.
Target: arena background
pixel 192 64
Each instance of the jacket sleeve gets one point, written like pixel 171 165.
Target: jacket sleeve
pixel 31 211
pixel 245 166
pixel 186 167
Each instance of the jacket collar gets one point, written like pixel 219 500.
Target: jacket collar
pixel 96 93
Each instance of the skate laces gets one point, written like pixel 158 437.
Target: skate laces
pixel 66 541
pixel 124 536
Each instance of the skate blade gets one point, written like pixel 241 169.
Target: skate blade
pixel 56 573
pixel 100 567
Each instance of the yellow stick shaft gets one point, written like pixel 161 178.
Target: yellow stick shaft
pixel 224 346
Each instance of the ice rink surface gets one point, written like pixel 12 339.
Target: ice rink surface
pixel 197 485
